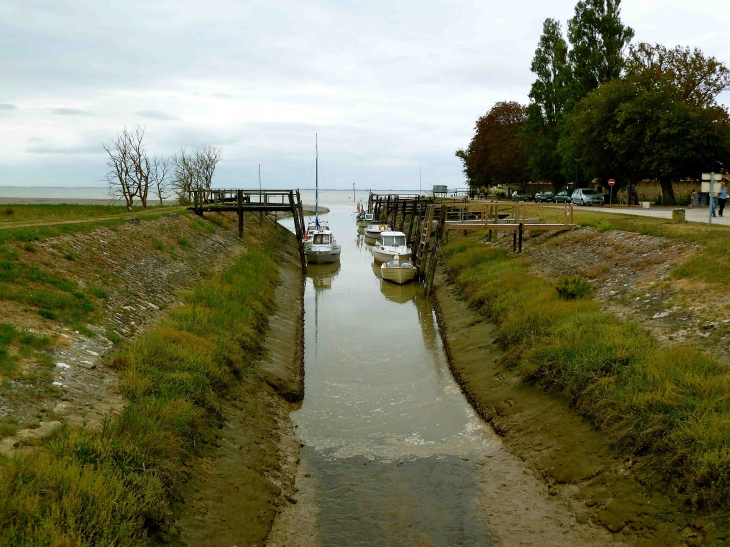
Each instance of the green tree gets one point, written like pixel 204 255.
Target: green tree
pixel 539 136
pixel 598 41
pixel 493 155
pixel 661 121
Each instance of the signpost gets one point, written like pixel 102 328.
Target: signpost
pixel 710 201
pixel 611 182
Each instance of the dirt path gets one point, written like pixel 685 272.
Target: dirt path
pixel 557 481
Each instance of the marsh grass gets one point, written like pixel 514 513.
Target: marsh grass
pixel 109 486
pixel 59 212
pixel 672 405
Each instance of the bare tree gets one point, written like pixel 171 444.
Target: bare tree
pixel 140 165
pixel 207 159
pixel 119 178
pixel 184 179
pixel 194 171
pixel 160 168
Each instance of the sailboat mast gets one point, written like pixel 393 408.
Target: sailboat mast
pixel 316 182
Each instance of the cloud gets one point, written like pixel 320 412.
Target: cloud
pixel 157 115
pixel 71 112
pixel 35 139
pixel 6 106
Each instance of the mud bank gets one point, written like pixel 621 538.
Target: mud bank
pixel 238 490
pixel 558 481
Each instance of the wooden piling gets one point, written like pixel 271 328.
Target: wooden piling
pixel 239 200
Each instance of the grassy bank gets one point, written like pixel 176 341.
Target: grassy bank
pixel 669 405
pixel 111 486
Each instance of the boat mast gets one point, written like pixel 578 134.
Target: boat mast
pixel 316 182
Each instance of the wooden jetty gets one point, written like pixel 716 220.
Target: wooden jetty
pixel 430 219
pixel 242 201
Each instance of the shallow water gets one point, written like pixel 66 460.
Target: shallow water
pixel 390 441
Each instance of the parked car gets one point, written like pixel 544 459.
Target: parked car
pixel 587 196
pixel 521 195
pixel 564 196
pixel 545 197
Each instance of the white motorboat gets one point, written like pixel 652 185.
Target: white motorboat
pixel 311 228
pixel 323 249
pixel 320 247
pixel 375 228
pixel 390 245
pixel 398 270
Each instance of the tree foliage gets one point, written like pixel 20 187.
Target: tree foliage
pixel 598 41
pixel 494 155
pixel 659 122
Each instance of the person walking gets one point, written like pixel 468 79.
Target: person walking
pixel 693 198
pixel 722 198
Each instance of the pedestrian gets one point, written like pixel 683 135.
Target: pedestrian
pixel 693 198
pixel 722 198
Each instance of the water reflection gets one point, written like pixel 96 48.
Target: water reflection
pixel 322 275
pixel 400 294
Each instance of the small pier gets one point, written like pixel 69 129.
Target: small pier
pixel 241 201
pixel 430 218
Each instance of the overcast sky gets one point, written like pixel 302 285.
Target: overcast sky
pixel 387 85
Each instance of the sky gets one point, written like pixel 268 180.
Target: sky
pixel 387 86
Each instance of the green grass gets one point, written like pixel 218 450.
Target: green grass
pixel 15 344
pixel 59 212
pixel 109 486
pixel 672 405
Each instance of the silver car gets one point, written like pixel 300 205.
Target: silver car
pixel 587 196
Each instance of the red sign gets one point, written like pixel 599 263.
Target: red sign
pixel 611 182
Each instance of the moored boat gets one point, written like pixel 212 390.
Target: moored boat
pixel 375 228
pixel 323 249
pixel 390 245
pixel 398 270
pixel 364 219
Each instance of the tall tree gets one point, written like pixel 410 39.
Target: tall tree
pixel 494 155
pixel 539 137
pixel 661 121
pixel 599 40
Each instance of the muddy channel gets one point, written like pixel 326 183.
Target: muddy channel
pixel 392 453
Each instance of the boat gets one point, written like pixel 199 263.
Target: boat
pixel 390 245
pixel 311 228
pixel 375 228
pixel 321 247
pixel 398 270
pixel 364 219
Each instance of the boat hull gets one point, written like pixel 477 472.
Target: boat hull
pixel 383 255
pixel 398 275
pixel 323 257
pixel 375 234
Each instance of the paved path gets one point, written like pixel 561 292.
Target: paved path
pixel 692 215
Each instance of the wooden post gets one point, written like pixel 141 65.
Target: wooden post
pixel 434 256
pixel 520 238
pixel 239 200
pixel 395 213
pixel 296 211
pixel 514 241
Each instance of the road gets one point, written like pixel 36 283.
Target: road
pixel 692 215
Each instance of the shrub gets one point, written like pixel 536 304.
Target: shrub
pixel 574 287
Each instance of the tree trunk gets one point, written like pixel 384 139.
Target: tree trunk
pixel 667 191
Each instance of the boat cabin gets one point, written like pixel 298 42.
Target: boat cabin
pixel 320 238
pixel 369 217
pixel 393 239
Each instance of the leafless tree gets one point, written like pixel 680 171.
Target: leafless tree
pixel 194 171
pixel 207 159
pixel 140 164
pixel 160 168
pixel 119 177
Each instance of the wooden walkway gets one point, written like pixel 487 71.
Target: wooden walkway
pixel 429 219
pixel 241 201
